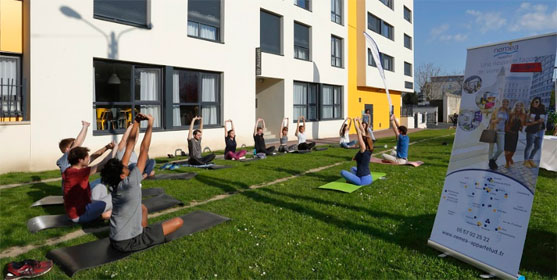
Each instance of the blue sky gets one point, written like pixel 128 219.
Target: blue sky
pixel 444 29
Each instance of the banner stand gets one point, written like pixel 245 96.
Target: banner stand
pixel 489 269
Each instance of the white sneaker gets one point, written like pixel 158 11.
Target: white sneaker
pixel 242 157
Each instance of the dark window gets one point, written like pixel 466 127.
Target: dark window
pixel 407 69
pixel 12 104
pixel 409 85
pixel 336 11
pixel 270 30
pixel 379 26
pixel 301 41
pixel 331 102
pixel 303 4
pixel 195 93
pixel 370 60
pixel 336 51
pixel 305 101
pixel 407 14
pixel 387 61
pixel 133 12
pixel 388 3
pixel 122 90
pixel 407 41
pixel 204 19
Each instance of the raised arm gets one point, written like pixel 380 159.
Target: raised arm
pixel 255 127
pixel 124 140
pixel 232 125
pixel 359 132
pixel 130 145
pixel 263 122
pixel 225 130
pixel 190 134
pixel 297 126
pixel 349 124
pixel 200 123
pixel 145 144
pixel 394 124
pixel 341 126
pixel 100 152
pixel 282 126
pixel 81 136
pixel 98 167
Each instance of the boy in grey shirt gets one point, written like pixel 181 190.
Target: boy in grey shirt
pixel 194 145
pixel 129 229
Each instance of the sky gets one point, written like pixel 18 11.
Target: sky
pixel 444 29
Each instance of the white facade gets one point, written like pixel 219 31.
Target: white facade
pixel 395 48
pixel 60 50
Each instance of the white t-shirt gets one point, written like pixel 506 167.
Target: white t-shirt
pixel 345 138
pixel 301 138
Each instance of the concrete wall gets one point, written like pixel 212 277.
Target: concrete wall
pixel 451 103
pixel 14 143
pixel 270 96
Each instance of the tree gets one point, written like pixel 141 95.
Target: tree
pixel 424 72
pixel 410 98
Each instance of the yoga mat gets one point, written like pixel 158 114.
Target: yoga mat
pixel 320 148
pixel 174 176
pixel 411 163
pixel 342 186
pixel 153 204
pixel 58 199
pixel 99 252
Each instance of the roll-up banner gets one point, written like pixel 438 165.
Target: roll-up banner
pixel 489 188
pixel 377 58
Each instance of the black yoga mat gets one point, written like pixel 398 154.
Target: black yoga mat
pixel 58 199
pixel 99 252
pixel 153 204
pixel 320 148
pixel 174 176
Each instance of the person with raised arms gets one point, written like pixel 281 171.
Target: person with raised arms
pixel 259 140
pixel 303 144
pixel 360 174
pixel 129 228
pixel 149 168
pixel 402 142
pixel 230 141
pixel 344 134
pixel 194 144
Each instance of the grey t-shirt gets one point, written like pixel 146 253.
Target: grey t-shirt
pixel 133 157
pixel 63 164
pixel 125 222
pixel 284 140
pixel 194 147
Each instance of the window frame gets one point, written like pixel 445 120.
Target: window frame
pixel 409 41
pixel 280 33
pixel 200 103
pixel 337 15
pixel 333 105
pixel 302 47
pixel 381 25
pixel 132 103
pixel 318 105
pixel 308 104
pixel 218 30
pixel 308 4
pixel 333 53
pixel 406 9
pixel 408 85
pixel 20 91
pixel 410 72
pixel 382 57
pixel 146 25
pixel 390 3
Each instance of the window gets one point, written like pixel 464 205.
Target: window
pixel 132 12
pixel 11 95
pixel 407 14
pixel 379 26
pixel 408 85
pixel 204 19
pixel 195 93
pixel 336 51
pixel 303 4
pixel 305 101
pixel 388 3
pixel 407 69
pixel 407 42
pixel 331 102
pixel 336 11
pixel 122 90
pixel 270 33
pixel 387 61
pixel 301 41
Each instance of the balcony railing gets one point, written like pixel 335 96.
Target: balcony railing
pixel 12 101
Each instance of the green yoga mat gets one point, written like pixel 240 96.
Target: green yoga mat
pixel 342 186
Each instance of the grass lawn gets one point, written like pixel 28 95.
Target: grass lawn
pixel 293 230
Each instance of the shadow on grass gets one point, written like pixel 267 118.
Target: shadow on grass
pixel 225 185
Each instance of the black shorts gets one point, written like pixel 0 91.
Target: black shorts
pixel 152 235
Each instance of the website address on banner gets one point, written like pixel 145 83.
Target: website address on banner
pixel 474 244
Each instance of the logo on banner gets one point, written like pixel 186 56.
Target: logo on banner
pixel 504 51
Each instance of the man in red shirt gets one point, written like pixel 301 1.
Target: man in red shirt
pixel 77 192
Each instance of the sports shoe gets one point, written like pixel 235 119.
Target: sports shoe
pixel 27 269
pixel 493 165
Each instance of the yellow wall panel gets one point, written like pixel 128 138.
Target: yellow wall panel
pixel 11 26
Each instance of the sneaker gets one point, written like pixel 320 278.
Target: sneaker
pixel 492 165
pixel 27 269
pixel 242 158
pixel 527 164
pixel 532 163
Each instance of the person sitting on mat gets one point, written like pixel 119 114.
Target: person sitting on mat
pixel 368 131
pixel 360 175
pixel 230 141
pixel 79 203
pixel 302 143
pixel 149 168
pixel 259 140
pixel 129 229
pixel 344 134
pixel 194 145
pixel 402 141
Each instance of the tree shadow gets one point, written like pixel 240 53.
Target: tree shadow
pixel 225 185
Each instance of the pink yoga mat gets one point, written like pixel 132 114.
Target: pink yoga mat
pixel 411 163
